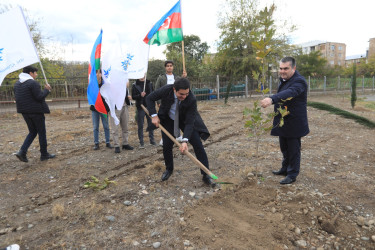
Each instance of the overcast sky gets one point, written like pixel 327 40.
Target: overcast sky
pixel 75 24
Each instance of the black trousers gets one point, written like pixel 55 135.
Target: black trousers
pixel 195 141
pixel 37 126
pixel 140 121
pixel 291 150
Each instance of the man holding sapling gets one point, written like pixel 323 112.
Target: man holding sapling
pixel 291 96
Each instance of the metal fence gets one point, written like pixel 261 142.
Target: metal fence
pixel 70 93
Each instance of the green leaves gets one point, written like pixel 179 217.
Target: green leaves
pixel 95 183
pixel 258 123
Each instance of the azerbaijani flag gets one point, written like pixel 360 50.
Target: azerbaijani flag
pixel 168 29
pixel 93 93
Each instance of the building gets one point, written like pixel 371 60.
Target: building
pixel 334 53
pixel 371 49
pixel 355 59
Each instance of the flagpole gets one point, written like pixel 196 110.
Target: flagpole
pixel 148 56
pixel 36 51
pixel 182 42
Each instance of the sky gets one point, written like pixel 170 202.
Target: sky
pixel 73 25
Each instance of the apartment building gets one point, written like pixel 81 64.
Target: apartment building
pixel 333 52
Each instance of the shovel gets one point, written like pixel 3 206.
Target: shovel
pixel 192 157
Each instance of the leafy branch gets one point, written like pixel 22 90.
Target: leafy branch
pixel 97 185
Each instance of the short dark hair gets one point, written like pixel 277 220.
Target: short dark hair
pixel 289 59
pixel 29 69
pixel 181 83
pixel 166 62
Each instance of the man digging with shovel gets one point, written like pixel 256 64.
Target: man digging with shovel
pixel 178 110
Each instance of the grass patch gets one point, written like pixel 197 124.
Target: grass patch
pixel 359 119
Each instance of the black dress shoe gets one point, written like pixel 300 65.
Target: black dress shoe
pixel 127 147
pixel 208 181
pixel 117 150
pixel 287 180
pixel 22 156
pixel 96 147
pixel 47 156
pixel 166 175
pixel 108 145
pixel 279 172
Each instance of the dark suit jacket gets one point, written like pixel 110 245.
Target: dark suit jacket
pixel 137 89
pixel 189 118
pixel 295 124
pixel 30 99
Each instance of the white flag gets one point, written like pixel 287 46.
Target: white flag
pixel 17 49
pixel 137 54
pixel 115 76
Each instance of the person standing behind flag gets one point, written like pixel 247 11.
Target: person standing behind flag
pixel 30 101
pixel 123 115
pixel 140 97
pixel 96 118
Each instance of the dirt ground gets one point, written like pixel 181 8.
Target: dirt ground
pixel 44 205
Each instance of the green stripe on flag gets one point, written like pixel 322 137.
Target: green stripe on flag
pixel 166 36
pixel 97 63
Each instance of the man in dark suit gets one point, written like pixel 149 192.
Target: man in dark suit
pixel 30 101
pixel 291 94
pixel 178 102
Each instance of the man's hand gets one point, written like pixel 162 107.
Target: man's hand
pixel 183 147
pixel 48 87
pixel 184 74
pixel 266 102
pixel 156 121
pixel 143 94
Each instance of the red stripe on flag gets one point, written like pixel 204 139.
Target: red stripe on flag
pixel 99 105
pixel 172 22
pixel 97 51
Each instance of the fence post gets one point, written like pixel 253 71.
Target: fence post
pixel 363 84
pixel 325 84
pixel 66 90
pixel 246 86
pixel 309 86
pixel 338 83
pixel 270 85
pixel 218 86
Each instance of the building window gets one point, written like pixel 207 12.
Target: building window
pixel 332 62
pixel 332 47
pixel 340 47
pixel 339 55
pixel 339 63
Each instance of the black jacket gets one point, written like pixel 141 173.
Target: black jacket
pixel 137 89
pixel 295 124
pixel 189 116
pixel 30 99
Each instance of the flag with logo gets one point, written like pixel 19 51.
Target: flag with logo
pixel 168 29
pixel 17 49
pixel 93 92
pixel 115 77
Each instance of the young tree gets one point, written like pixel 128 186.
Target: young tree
pixel 354 86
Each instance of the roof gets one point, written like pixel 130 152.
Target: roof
pixel 355 57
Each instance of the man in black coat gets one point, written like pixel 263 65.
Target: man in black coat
pixel 292 85
pixel 178 101
pixel 139 94
pixel 30 101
